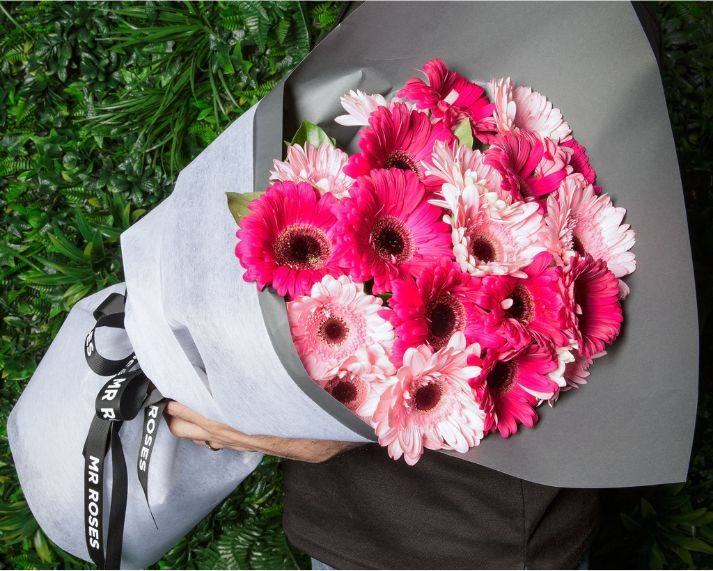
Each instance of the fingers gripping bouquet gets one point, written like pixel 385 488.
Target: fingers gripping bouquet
pixel 458 272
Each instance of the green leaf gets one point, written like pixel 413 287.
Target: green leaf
pixel 464 133
pixel 238 203
pixel 313 134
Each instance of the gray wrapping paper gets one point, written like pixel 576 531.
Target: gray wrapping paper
pixel 208 339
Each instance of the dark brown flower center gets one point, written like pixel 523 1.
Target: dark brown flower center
pixel 302 247
pixel 445 316
pixel 392 239
pixel 344 391
pixel 522 305
pixel 501 377
pixel 333 330
pixel 427 397
pixel 399 159
pixel 482 247
pixel 578 247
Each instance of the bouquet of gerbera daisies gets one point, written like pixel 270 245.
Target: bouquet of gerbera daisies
pixel 459 271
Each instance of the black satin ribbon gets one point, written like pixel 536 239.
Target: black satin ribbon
pixel 126 394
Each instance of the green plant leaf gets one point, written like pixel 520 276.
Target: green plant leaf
pixel 238 203
pixel 313 134
pixel 464 133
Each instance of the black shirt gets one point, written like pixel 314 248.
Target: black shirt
pixel 363 510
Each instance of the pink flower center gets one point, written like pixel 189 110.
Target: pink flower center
pixel 392 239
pixel 427 396
pixel 333 330
pixel 501 377
pixel 302 247
pixel 522 307
pixel 402 160
pixel 445 315
pixel 482 247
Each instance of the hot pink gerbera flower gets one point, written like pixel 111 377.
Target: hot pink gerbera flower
pixel 388 231
pixel 580 161
pixel 287 240
pixel 461 167
pixel 585 223
pixel 338 318
pixel 397 137
pixel 490 236
pixel 429 405
pixel 524 309
pixel 593 295
pixel 450 96
pixel 359 377
pixel 522 109
pixel 443 301
pixel 528 167
pixel 510 387
pixel 319 166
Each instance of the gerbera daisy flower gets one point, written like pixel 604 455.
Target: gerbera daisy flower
pixel 461 167
pixel 580 161
pixel 592 225
pixel 450 96
pixel 387 230
pixel 397 137
pixel 359 377
pixel 522 109
pixel 490 236
pixel 359 106
pixel 429 405
pixel 319 166
pixel 288 239
pixel 518 157
pixel 333 322
pixel 593 296
pixel 522 309
pixel 443 301
pixel 510 386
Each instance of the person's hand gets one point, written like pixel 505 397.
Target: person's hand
pixel 187 423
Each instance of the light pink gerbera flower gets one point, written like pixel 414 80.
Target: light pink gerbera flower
pixel 443 301
pixel 360 377
pixel 387 230
pixel 523 309
pixel 593 295
pixel 397 137
pixel 335 320
pixel 287 241
pixel 450 96
pixel 585 223
pixel 510 387
pixel 522 109
pixel 461 167
pixel 489 235
pixel 528 168
pixel 359 106
pixel 429 405
pixel 319 166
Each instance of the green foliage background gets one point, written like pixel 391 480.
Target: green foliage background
pixel 103 103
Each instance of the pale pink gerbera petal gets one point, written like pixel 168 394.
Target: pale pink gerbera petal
pixel 387 230
pixel 287 240
pixel 359 379
pixel 510 386
pixel 460 166
pixel 443 301
pixel 449 95
pixel 397 137
pixel 591 225
pixel 338 318
pixel 359 106
pixel 522 109
pixel 593 295
pixel 319 166
pixel 490 236
pixel 430 405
